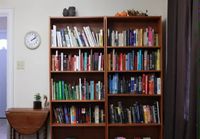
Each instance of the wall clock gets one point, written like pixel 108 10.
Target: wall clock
pixel 32 40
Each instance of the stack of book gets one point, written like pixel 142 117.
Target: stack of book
pixel 74 37
pixel 137 113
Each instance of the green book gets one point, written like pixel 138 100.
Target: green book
pixel 66 91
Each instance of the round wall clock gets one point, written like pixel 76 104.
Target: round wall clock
pixel 32 40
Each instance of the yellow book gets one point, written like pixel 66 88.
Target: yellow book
pixel 158 60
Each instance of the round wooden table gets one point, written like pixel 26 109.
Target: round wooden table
pixel 27 121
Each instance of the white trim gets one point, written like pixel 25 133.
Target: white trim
pixel 10 72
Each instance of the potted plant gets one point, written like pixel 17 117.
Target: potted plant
pixel 37 104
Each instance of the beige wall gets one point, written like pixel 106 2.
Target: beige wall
pixel 34 15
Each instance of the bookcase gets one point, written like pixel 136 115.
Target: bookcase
pixel 106 78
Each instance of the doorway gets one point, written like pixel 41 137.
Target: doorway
pixel 3 67
pixel 6 68
pixel 7 14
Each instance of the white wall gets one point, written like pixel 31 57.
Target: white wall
pixel 34 15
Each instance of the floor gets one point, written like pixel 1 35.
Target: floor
pixel 3 129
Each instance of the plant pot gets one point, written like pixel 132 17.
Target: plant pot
pixel 37 104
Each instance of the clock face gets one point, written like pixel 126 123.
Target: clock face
pixel 32 40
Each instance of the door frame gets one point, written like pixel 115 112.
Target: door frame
pixel 10 56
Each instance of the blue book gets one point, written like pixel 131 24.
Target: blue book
pixel 91 90
pixel 85 61
pixel 66 115
pixel 110 85
pixel 132 84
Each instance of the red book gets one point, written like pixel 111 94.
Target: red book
pixel 120 61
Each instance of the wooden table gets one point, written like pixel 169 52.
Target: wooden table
pixel 27 121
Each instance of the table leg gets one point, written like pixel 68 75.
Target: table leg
pixel 11 132
pixel 19 136
pixel 45 130
pixel 37 134
pixel 14 134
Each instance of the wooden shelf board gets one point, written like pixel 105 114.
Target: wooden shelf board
pixel 133 124
pixel 71 48
pixel 78 101
pixel 79 125
pixel 136 71
pixel 133 47
pixel 133 95
pixel 77 71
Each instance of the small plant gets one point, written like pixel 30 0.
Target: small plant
pixel 37 97
pixel 37 104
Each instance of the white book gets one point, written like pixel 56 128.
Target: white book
pixel 124 37
pixel 61 61
pixel 99 90
pixel 53 37
pixel 113 38
pixel 96 114
pixel 78 36
pixel 99 62
pixel 94 39
pixel 88 36
pixel 77 92
pixel 79 60
pixel 74 41
pixel 70 36
pixel 67 40
pixel 85 39
pixel 59 41
pixel 158 86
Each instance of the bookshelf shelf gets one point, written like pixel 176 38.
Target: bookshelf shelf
pixel 79 125
pixel 106 74
pixel 75 48
pixel 132 95
pixel 134 125
pixel 133 47
pixel 78 101
pixel 135 71
pixel 77 72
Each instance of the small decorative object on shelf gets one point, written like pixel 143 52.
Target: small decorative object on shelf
pixel 71 11
pixel 65 12
pixel 46 103
pixel 37 104
pixel 132 12
pixel 122 13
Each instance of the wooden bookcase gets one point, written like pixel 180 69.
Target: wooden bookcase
pixel 116 87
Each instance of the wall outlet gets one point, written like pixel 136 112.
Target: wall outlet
pixel 20 65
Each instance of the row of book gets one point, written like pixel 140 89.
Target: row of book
pixel 133 138
pixel 80 90
pixel 134 60
pixel 83 61
pixel 77 114
pixel 137 113
pixel 148 84
pixel 76 37
pixel 133 37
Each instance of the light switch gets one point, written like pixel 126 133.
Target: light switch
pixel 20 65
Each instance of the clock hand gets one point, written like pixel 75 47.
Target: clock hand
pixel 33 38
